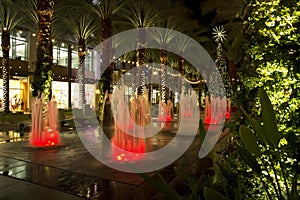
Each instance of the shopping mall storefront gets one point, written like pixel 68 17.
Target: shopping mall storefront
pixel 18 94
pixel 61 92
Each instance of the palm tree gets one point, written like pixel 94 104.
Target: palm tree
pixel 82 28
pixel 229 16
pixel 43 70
pixel 10 17
pixel 164 38
pixel 106 10
pixel 140 15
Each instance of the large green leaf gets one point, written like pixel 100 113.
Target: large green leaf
pixel 211 194
pixel 161 186
pixel 258 127
pixel 293 195
pixel 250 160
pixel 269 119
pixel 202 132
pixel 187 176
pixel 157 183
pixel 249 140
pixel 225 169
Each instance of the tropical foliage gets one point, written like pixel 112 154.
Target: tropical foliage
pixel 273 57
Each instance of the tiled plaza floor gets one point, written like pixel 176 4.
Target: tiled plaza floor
pixel 68 171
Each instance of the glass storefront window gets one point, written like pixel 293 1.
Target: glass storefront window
pixel 88 62
pixel 60 56
pixel 20 49
pixel 17 94
pixel 19 46
pixel 60 91
pixel 75 60
pixel 55 55
pixel 63 57
pixel 90 92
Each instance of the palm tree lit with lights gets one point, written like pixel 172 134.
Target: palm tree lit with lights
pixel 106 10
pixel 220 36
pixel 83 28
pixel 43 71
pixel 138 17
pixel 216 93
pixel 9 18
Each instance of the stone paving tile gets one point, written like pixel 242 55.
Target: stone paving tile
pixel 115 192
pixel 70 168
pixel 143 191
pixel 9 163
pixel 24 175
pixel 70 182
pixel 13 189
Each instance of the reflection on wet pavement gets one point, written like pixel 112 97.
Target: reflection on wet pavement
pixel 12 136
pixel 70 168
pixel 63 180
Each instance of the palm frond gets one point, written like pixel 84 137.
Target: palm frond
pixel 138 17
pixel 223 10
pixel 107 8
pixel 29 8
pixel 10 15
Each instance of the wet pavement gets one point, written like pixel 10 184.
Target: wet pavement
pixel 70 169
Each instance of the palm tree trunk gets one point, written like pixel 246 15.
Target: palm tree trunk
pixel 163 62
pixel 5 68
pixel 150 81
pixel 106 32
pixel 181 72
pixel 81 55
pixel 141 57
pixel 43 73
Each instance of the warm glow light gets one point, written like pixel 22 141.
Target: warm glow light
pixel 134 147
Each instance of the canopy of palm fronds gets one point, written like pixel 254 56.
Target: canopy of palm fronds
pixel 10 16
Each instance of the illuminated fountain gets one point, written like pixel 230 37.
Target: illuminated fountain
pixel 165 111
pixel 44 125
pixel 129 122
pixel 213 106
pixel 188 110
pixel 162 111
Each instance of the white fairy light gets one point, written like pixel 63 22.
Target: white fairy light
pixel 219 33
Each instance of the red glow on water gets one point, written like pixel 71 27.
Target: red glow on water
pixel 227 115
pixel 162 118
pixel 128 148
pixel 210 121
pixel 44 139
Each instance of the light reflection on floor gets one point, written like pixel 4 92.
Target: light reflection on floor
pixel 12 136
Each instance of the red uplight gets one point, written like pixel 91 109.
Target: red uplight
pixel 127 147
pixel 46 138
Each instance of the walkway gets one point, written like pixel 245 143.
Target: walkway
pixel 68 171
